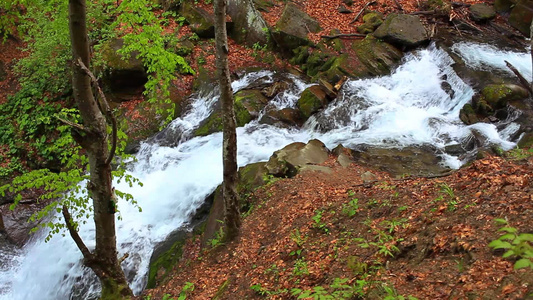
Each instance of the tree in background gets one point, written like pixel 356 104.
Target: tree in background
pixel 92 137
pixel 229 145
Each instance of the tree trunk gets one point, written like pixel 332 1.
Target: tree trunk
pixel 93 138
pixel 531 38
pixel 229 146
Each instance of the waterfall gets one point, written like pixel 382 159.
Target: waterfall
pixel 417 104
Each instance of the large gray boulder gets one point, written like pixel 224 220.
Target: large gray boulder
pixel 201 22
pixel 288 161
pixel 482 12
pixel 521 16
pixel 292 28
pixel 249 27
pixel 403 30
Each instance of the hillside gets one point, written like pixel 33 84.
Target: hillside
pixel 424 237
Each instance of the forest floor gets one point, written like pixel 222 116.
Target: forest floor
pixel 424 237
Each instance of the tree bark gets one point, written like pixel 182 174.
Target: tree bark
pixel 93 138
pixel 229 145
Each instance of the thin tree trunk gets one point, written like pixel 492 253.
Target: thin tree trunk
pixel 103 261
pixel 229 146
pixel 531 38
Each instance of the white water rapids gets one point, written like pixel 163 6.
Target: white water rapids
pixel 407 108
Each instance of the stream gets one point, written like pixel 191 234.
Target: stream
pixel 407 108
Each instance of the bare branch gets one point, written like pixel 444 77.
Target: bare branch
pixel 361 11
pixel 522 79
pixel 75 125
pixel 126 255
pixel 75 236
pixel 107 111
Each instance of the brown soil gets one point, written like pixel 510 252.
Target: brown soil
pixel 441 237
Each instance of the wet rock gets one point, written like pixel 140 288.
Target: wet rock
pixel 292 28
pixel 521 16
pixel 285 117
pixel 132 147
pixel 287 161
pixel 16 222
pixel 481 12
pixel 373 58
pixel 312 99
pixel 404 30
pixel 468 115
pixel 274 89
pixel 252 100
pixel 125 78
pixel 497 95
pixel 201 22
pixel 168 252
pixel 414 160
pixel 248 104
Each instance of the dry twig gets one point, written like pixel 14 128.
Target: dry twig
pixel 361 11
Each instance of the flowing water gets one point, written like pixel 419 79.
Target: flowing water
pixel 410 107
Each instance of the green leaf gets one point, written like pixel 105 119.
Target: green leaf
pixel 508 254
pixel 523 263
pixel 508 229
pixel 497 244
pixel 500 221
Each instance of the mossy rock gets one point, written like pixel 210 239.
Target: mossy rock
pixel 253 101
pixel 247 105
pixel 201 22
pixel 365 28
pixel 372 20
pixel 315 62
pixel 482 12
pixel 122 76
pixel 337 43
pixel 526 141
pixel 161 267
pixel 468 115
pixel 251 177
pixel 300 55
pixel 497 95
pixel 292 28
pixel 374 57
pixel 184 47
pixel 288 161
pixel 311 100
pixel 404 30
